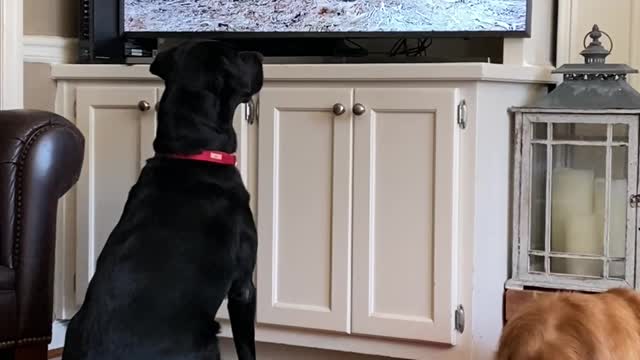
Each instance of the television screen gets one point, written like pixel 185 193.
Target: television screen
pixel 325 16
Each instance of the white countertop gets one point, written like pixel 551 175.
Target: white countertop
pixel 319 72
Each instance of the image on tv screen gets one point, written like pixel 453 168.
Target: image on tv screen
pixel 347 16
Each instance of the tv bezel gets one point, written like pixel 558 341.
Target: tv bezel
pixel 236 35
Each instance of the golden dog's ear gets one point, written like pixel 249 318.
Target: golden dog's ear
pixel 163 63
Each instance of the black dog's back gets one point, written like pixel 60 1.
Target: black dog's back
pixel 186 238
pixel 167 265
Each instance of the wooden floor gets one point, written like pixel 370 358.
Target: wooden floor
pixel 55 354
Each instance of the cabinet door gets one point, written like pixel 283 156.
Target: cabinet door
pixel 304 208
pixel 404 236
pixel 119 140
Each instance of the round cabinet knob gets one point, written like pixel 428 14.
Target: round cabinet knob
pixel 359 109
pixel 144 105
pixel 339 109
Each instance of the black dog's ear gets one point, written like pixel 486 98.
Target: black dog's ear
pixel 162 65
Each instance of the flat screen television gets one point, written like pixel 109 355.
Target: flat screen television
pixel 326 18
pixel 130 31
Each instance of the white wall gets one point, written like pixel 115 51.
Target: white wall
pixel 619 18
pixel 51 17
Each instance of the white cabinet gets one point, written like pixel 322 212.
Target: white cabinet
pixel 118 139
pixel 374 226
pixel 405 214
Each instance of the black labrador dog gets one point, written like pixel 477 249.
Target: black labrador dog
pixel 186 238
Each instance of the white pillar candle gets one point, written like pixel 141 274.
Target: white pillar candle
pixel 598 205
pixel 598 195
pixel 572 194
pixel 617 214
pixel 618 227
pixel 582 238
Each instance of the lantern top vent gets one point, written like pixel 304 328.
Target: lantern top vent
pixel 593 85
pixel 595 56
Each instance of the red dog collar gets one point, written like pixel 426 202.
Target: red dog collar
pixel 217 157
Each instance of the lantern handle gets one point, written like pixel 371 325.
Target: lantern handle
pixel 584 41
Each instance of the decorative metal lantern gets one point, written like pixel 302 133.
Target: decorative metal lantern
pixel 576 180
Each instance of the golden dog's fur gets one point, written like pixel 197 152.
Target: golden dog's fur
pixel 575 326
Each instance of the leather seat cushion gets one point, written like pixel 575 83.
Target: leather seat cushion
pixel 7 278
pixel 8 322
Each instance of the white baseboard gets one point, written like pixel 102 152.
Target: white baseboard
pixel 49 49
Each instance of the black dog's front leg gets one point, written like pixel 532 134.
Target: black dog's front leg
pixel 242 312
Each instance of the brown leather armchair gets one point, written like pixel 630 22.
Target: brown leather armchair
pixel 41 155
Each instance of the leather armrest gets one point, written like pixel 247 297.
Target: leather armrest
pixel 47 158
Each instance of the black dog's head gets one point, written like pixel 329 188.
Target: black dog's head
pixel 204 83
pixel 211 66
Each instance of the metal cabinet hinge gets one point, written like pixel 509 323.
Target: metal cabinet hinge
pixel 75 110
pixel 251 111
pixel 462 114
pixel 74 283
pixel 634 200
pixel 459 319
pixel 247 112
pixel 256 109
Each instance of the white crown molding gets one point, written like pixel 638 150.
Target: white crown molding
pixel 11 65
pixel 50 49
pixel 565 28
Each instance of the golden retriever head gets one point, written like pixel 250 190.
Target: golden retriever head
pixel 573 326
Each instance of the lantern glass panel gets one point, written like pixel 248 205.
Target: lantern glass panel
pixel 581 267
pixel 536 263
pixel 575 226
pixel 617 270
pixel 617 212
pixel 621 133
pixel 538 196
pixel 580 132
pixel 540 131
